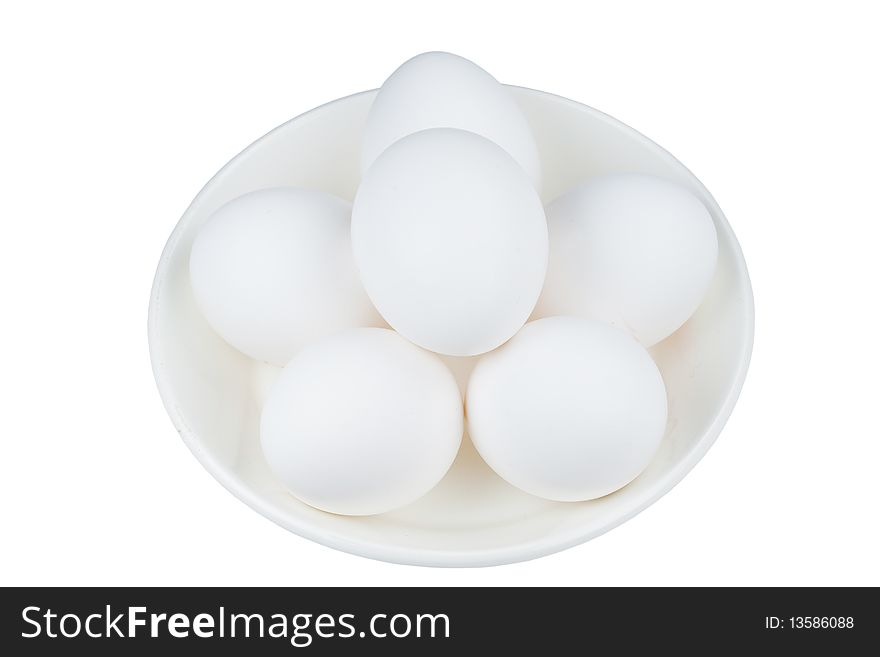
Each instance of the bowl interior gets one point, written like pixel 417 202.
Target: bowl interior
pixel 214 394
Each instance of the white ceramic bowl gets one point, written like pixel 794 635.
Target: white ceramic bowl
pixel 472 518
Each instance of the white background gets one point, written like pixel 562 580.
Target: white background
pixel 114 116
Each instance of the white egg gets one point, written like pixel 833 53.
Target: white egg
pixel 633 250
pixel 570 409
pixel 272 270
pixel 440 90
pixel 362 422
pixel 450 240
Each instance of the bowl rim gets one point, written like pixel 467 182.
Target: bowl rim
pixel 533 549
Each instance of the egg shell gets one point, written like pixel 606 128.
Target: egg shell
pixel 450 240
pixel 441 90
pixel 569 409
pixel 362 422
pixel 630 249
pixel 272 270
